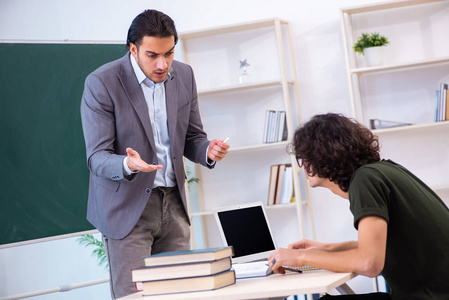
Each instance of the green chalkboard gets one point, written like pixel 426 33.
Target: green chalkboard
pixel 44 178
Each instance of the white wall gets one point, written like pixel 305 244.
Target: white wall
pixel 323 88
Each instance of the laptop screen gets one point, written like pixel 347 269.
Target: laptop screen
pixel 246 229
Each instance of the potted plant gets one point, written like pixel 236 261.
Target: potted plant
pixel 370 45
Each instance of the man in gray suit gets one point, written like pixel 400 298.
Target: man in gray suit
pixel 140 117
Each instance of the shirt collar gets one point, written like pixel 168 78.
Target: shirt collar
pixel 140 75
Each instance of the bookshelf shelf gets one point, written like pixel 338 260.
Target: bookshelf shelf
pixel 260 146
pixel 244 174
pixel 441 187
pixel 230 29
pixel 401 66
pixel 385 5
pixel 434 125
pixel 240 87
pixel 268 208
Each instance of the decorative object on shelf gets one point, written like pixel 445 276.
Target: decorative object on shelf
pixel 244 77
pixel 370 45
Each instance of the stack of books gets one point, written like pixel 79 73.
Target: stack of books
pixel 185 271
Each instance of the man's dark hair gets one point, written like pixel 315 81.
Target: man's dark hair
pixel 334 147
pixel 151 23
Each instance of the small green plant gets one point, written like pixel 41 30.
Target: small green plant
pixel 191 180
pixel 367 40
pixel 100 252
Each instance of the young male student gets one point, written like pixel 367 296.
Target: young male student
pixel 403 226
pixel 140 117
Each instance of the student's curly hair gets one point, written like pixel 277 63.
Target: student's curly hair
pixel 334 147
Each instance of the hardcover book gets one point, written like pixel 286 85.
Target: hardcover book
pixel 181 270
pixel 188 256
pixel 190 284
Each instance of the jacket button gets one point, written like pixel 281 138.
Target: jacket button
pixel 147 190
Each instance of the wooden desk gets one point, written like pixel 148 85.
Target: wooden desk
pixel 276 285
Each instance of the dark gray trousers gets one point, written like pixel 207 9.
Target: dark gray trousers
pixel 162 227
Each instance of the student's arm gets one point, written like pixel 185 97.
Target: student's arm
pixel 332 247
pixel 367 258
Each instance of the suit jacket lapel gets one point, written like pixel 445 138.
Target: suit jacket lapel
pixel 171 101
pixel 132 88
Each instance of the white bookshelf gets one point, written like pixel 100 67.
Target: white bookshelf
pixel 429 57
pixel 237 110
pixel 404 86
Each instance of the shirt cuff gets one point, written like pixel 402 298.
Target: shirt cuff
pixel 209 161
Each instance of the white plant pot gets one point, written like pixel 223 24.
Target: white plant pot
pixel 373 56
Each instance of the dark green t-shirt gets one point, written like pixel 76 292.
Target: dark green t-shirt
pixel 417 253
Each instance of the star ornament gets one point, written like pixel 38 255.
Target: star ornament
pixel 243 64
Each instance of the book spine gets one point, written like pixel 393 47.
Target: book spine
pixel 437 103
pixel 442 102
pixel 274 171
pixel 285 131
pixel 447 106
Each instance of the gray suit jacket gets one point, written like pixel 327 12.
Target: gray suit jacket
pixel 115 116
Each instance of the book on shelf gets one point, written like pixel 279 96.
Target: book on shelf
pixel 443 98
pixel 275 129
pixel 287 186
pixel 196 255
pixel 441 103
pixel 437 104
pixel 382 124
pixel 188 284
pixel 447 107
pixel 279 183
pixel 280 190
pixel 274 172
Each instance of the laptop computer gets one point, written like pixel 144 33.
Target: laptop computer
pixel 245 227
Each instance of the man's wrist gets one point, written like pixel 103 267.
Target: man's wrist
pixel 126 170
pixel 209 161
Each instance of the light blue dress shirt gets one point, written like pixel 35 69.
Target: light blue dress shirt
pixel 155 97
